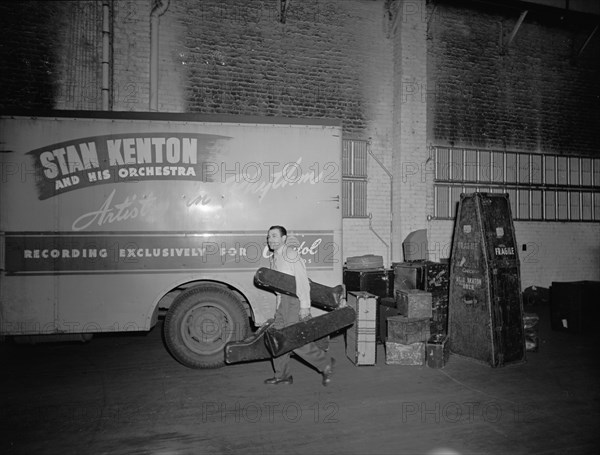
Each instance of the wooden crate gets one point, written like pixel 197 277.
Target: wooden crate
pixel 404 354
pixel 414 303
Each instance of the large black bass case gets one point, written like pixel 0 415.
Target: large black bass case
pixel 269 342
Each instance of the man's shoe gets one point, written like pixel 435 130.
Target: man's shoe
pixel 328 372
pixel 289 380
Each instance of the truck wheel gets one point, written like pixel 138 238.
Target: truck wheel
pixel 200 322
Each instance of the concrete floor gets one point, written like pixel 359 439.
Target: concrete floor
pixel 125 395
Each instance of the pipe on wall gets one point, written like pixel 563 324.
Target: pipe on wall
pixel 159 9
pixel 106 54
pixel 390 250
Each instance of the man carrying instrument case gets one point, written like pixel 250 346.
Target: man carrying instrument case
pixel 293 328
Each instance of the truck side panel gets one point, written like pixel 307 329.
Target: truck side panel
pixel 101 217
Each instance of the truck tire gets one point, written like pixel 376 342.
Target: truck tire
pixel 200 321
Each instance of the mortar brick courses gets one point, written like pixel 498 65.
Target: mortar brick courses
pixel 338 59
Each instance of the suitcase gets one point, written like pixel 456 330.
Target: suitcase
pixel 408 275
pixel 427 276
pixel 368 261
pixel 407 330
pixel 530 325
pixel 573 306
pixel 437 281
pixel 485 308
pixel 439 314
pixel 378 282
pixel 321 296
pixel 437 351
pixel 437 277
pixel 385 309
pixel 414 246
pixel 414 303
pixel 404 354
pixel 360 338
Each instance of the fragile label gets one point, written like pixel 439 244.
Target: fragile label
pixel 504 251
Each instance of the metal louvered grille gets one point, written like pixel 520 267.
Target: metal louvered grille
pixel 354 178
pixel 540 186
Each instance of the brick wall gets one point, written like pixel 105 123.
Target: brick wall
pixel 78 29
pixel 370 56
pixel 410 152
pixel 132 43
pixel 131 57
pixel 534 97
pixel 240 59
pixel 437 78
pixel 330 59
pixel 28 52
pixel 439 239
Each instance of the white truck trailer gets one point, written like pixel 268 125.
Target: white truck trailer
pixel 108 218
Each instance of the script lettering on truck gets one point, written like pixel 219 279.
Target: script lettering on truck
pixel 80 163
